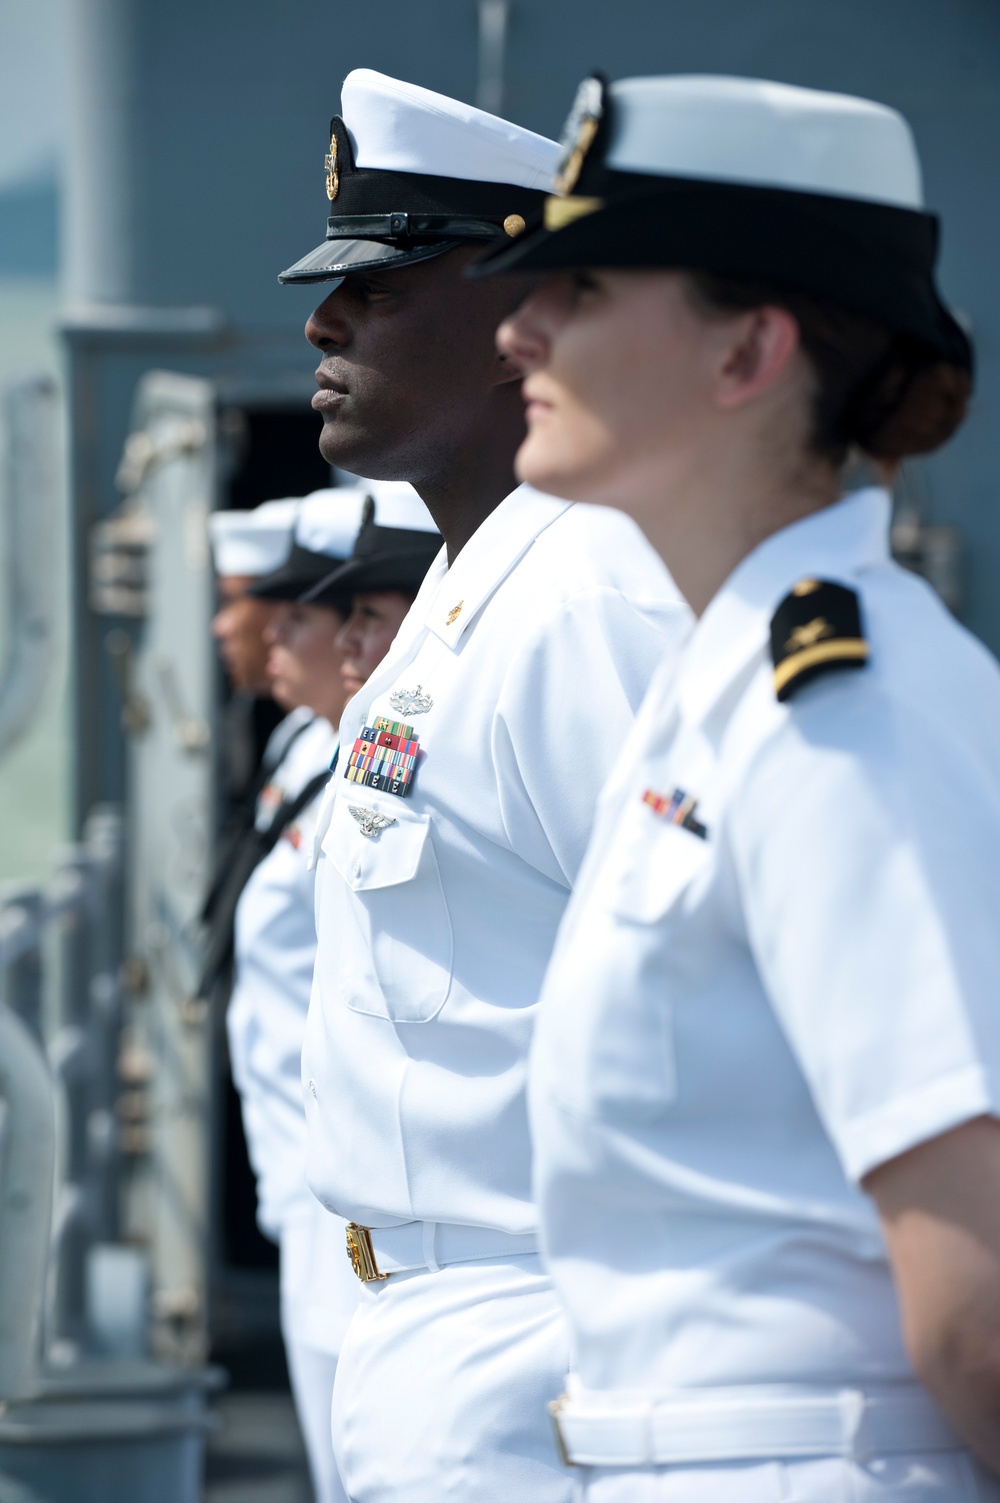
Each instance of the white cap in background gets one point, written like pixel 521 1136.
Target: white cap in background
pixel 252 543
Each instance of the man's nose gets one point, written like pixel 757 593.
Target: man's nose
pixel 327 324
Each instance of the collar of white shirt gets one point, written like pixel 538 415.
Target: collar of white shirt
pixel 484 563
pixel 834 543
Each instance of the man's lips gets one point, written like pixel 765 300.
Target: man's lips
pixel 331 393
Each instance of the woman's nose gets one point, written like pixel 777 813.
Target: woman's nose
pixel 522 337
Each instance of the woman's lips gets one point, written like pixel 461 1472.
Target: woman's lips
pixel 536 409
pixel 535 405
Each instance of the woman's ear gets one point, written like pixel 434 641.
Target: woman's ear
pixel 760 347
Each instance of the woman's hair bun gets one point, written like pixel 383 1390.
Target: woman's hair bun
pixel 878 391
pixel 914 407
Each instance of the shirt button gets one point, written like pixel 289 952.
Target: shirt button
pixel 312 1088
pixel 357 868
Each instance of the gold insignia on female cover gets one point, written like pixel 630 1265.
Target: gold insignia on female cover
pixel 371 821
pixel 578 136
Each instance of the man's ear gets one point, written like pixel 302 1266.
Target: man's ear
pixel 763 342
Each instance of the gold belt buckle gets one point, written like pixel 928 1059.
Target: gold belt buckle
pixel 362 1254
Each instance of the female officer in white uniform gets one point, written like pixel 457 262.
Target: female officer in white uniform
pixel 767 1068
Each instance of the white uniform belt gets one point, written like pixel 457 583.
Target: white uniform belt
pixel 742 1424
pixel 378 1251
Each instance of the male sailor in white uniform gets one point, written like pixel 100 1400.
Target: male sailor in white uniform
pixel 453 830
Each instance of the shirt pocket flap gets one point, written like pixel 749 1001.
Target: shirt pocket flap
pixel 386 857
pixel 655 869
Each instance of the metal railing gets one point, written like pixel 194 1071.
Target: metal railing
pixel 26 1165
pixel 60 963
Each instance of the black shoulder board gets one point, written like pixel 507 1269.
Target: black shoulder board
pixel 817 628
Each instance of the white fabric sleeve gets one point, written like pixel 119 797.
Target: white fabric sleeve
pixel 866 837
pixel 565 711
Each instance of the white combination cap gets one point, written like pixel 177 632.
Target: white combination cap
pixel 409 174
pixel 773 135
pixel 401 127
pixel 252 543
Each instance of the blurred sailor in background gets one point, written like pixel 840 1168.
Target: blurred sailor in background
pixel 454 827
pixel 275 936
pixel 270 892
pixel 766 1077
pixel 245 545
pixel 392 553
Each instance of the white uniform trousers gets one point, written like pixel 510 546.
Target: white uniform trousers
pixel 311 1372
pixel 443 1383
pixel 934 1477
pixel 319 1294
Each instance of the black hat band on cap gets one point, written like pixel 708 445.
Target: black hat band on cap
pixel 475 208
pixel 384 558
pixel 874 258
pixel 404 225
pixel 301 569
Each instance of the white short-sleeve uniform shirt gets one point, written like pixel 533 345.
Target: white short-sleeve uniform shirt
pixel 740 1021
pixel 274 951
pixel 519 670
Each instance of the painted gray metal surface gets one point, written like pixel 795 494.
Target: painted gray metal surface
pixel 83 1426
pixel 27 1160
pixel 28 521
pixel 171 482
pixel 101 1452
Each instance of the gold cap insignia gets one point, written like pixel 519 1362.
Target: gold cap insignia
pixel 332 171
pixel 578 137
pixel 513 225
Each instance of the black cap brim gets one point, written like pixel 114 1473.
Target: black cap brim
pixel 336 259
pixel 403 571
